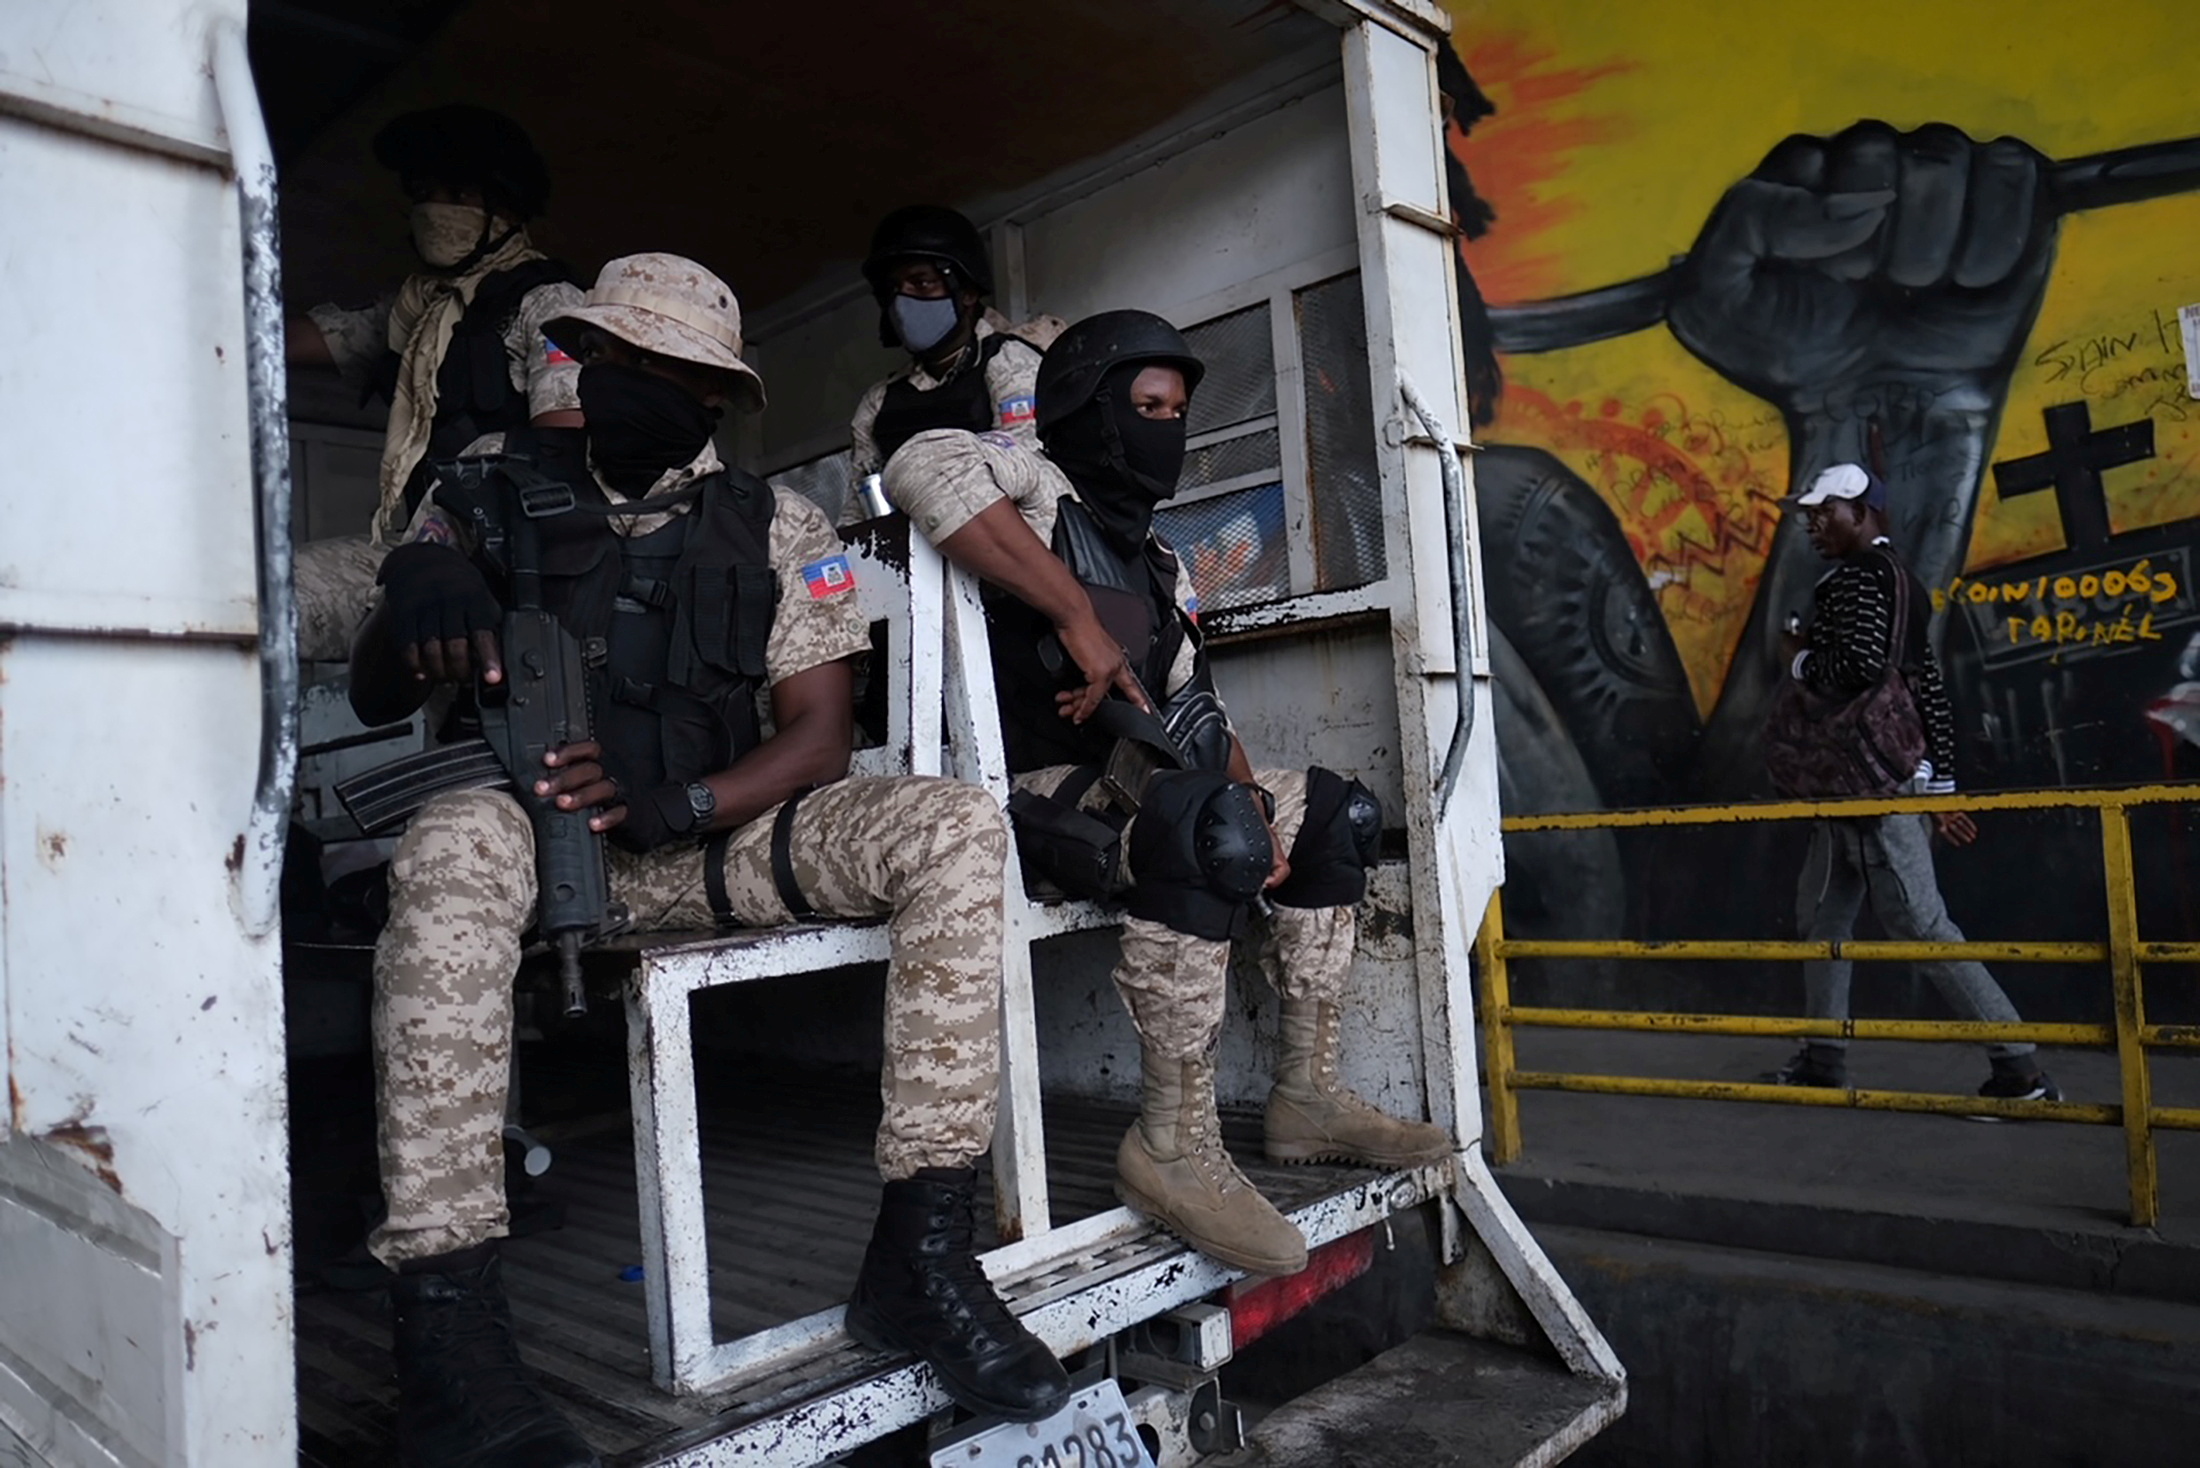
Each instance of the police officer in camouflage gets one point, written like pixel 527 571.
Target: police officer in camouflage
pixel 695 588
pixel 1110 714
pixel 458 349
pixel 968 366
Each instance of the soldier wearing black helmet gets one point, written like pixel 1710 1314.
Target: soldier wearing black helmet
pixel 458 348
pixel 968 367
pixel 1150 796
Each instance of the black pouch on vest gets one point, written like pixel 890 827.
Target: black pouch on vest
pixel 1057 843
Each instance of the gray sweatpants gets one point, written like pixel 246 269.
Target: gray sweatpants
pixel 1888 860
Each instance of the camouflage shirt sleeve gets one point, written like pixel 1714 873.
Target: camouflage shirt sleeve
pixel 818 619
pixel 1012 377
pixel 946 478
pixel 358 337
pixel 863 456
pixel 548 376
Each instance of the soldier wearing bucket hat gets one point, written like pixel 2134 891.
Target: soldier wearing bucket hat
pixel 704 588
pixel 457 349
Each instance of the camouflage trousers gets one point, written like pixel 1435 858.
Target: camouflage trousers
pixel 926 853
pixel 1172 982
pixel 335 577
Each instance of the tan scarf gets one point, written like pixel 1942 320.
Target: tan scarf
pixel 427 310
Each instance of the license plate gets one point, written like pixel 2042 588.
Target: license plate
pixel 1094 1430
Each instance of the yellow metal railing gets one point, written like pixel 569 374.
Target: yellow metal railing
pixel 2123 952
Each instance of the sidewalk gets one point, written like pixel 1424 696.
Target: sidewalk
pixel 2038 1202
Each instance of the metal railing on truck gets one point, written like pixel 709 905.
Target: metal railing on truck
pixel 2124 952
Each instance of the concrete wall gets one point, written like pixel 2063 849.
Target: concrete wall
pixel 1737 1359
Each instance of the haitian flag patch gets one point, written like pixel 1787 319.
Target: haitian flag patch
pixel 828 577
pixel 1018 410
pixel 554 355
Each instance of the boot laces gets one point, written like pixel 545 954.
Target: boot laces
pixel 1208 1153
pixel 954 1281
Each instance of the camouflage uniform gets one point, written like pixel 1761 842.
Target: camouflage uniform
pixel 1172 982
pixel 927 854
pixel 335 573
pixel 1012 378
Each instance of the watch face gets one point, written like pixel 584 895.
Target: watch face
pixel 701 801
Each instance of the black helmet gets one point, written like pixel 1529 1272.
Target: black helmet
pixel 1070 373
pixel 460 144
pixel 927 232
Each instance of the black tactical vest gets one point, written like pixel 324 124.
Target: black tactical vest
pixel 673 624
pixel 1135 598
pixel 473 385
pixel 963 401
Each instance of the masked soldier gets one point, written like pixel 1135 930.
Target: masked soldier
pixel 1108 612
pixel 696 587
pixel 458 350
pixel 968 368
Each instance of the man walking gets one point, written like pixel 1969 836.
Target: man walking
pixel 1866 615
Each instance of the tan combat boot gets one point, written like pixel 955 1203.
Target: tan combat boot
pixel 1311 1118
pixel 1172 1167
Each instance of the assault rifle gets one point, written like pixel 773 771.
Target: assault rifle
pixel 541 705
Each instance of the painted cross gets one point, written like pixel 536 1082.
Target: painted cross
pixel 2076 455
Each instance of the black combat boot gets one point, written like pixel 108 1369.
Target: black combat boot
pixel 921 1291
pixel 463 1398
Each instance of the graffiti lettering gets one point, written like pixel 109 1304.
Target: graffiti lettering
pixel 2084 357
pixel 2069 627
pixel 2140 579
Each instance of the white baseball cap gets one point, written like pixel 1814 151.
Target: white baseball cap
pixel 1844 482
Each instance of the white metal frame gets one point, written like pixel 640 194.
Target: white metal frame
pixel 1405 249
pixel 1080 1284
pixel 684 1355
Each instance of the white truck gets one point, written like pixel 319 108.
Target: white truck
pixel 1270 178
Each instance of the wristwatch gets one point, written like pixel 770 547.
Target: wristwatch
pixel 701 804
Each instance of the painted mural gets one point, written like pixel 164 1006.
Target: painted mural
pixel 1946 239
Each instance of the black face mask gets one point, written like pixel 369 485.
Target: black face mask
pixel 640 424
pixel 1122 463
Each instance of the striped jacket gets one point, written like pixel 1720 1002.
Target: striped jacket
pixel 1847 641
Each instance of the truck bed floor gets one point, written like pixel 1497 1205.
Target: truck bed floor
pixel 791 1190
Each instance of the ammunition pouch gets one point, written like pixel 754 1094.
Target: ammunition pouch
pixel 1077 851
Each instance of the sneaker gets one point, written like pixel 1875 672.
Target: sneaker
pixel 1807 1069
pixel 2039 1086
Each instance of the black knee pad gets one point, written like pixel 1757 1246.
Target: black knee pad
pixel 1200 850
pixel 1337 842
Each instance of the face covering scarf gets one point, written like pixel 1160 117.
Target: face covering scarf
pixel 640 425
pixel 427 310
pixel 923 325
pixel 445 234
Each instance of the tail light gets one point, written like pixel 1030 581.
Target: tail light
pixel 1259 1306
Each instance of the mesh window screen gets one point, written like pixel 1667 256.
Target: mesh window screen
pixel 1254 453
pixel 1232 545
pixel 823 482
pixel 1241 370
pixel 1342 478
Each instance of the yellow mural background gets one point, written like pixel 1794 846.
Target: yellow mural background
pixel 1619 127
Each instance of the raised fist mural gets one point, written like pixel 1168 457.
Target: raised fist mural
pixel 1877 289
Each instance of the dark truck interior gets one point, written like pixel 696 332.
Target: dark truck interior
pixel 763 140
